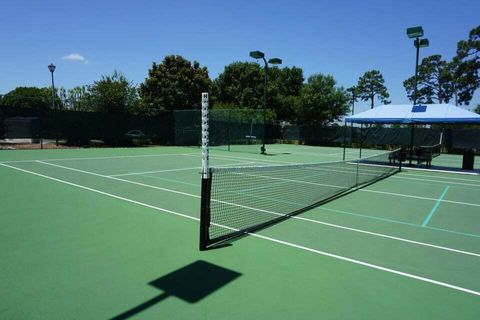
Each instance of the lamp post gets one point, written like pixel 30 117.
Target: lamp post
pixel 273 61
pixel 417 32
pixel 353 91
pixel 52 67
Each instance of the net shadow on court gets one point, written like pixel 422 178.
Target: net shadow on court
pixel 191 284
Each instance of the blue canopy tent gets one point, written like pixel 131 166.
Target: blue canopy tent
pixel 422 114
pixel 417 114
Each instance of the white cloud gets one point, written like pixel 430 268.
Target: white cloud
pixel 76 57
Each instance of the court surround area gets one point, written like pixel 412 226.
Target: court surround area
pixel 113 234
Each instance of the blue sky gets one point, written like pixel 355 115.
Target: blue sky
pixel 87 39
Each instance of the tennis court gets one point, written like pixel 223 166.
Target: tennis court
pixel 114 233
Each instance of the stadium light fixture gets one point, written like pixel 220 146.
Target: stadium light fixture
pixel 422 43
pixel 415 32
pixel 257 54
pixel 275 61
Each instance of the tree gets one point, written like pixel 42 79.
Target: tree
pixel 78 99
pixel 372 85
pixel 468 66
pixel 352 96
pixel 284 86
pixel 113 94
pixel 321 101
pixel 30 97
pixel 434 81
pixel 240 85
pixel 176 83
pixel 477 109
pixel 62 95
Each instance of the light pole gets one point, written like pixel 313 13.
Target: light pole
pixel 261 55
pixel 52 67
pixel 353 91
pixel 417 32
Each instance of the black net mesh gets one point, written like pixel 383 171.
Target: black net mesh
pixel 246 198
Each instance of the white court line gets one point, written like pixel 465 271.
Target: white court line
pixel 273 178
pixel 343 258
pixel 214 156
pixel 418 197
pixel 154 171
pixel 312 153
pixel 274 213
pixel 404 168
pixel 341 153
pixel 118 179
pixel 356 230
pixel 291 149
pixel 366 264
pixel 441 171
pixel 100 192
pixel 279 162
pixel 439 177
pixel 458 160
pixel 439 181
pixel 368 190
pixel 173 170
pixel 103 158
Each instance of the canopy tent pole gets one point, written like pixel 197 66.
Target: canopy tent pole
pixel 344 137
pixel 411 144
pixel 361 140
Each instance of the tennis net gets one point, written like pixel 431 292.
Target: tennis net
pixel 239 200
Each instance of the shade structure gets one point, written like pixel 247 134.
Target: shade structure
pixel 411 114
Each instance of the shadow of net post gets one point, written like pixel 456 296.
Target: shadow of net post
pixel 191 284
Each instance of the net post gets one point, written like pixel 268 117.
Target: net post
pixel 344 137
pixel 205 136
pixel 206 177
pixel 205 214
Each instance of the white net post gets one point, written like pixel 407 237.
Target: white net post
pixel 205 135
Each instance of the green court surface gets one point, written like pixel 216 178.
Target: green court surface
pixel 113 234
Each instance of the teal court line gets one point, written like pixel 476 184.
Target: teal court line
pixel 397 221
pixel 435 207
pixel 365 216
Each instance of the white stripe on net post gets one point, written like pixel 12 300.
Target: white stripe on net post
pixel 206 179
pixel 205 135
